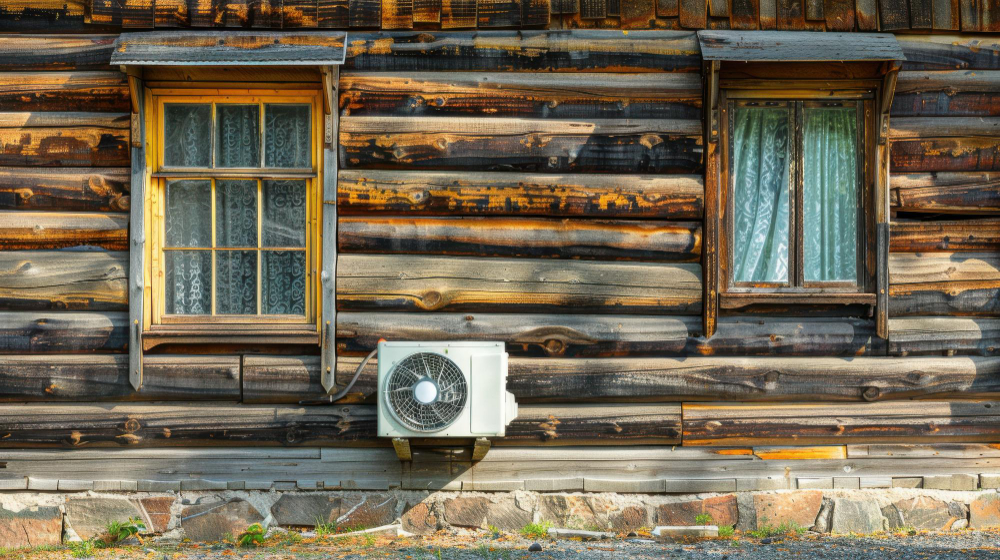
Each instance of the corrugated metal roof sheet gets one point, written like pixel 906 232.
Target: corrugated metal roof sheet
pixel 798 46
pixel 225 48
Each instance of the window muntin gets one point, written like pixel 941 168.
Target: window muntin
pixel 795 193
pixel 236 180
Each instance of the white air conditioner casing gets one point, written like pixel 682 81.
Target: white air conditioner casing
pixel 420 386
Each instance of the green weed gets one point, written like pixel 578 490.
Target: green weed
pixel 486 552
pixel 726 531
pixel 766 530
pixel 82 549
pixel 538 530
pixel 253 535
pixel 703 519
pixel 324 529
pixel 120 530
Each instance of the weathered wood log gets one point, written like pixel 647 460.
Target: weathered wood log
pixel 29 332
pixel 913 236
pixel 945 127
pixel 816 423
pixel 92 189
pixel 522 237
pixel 945 154
pixel 105 378
pixel 51 230
pixel 55 52
pixel 64 91
pixel 946 193
pixel 599 145
pixel 64 139
pixel 45 15
pixel 75 280
pixel 411 283
pixel 944 284
pixel 951 93
pixel 520 194
pixel 530 95
pixel 913 451
pixel 553 51
pixel 950 52
pixel 293 379
pixel 217 424
pixel 944 335
pixel 622 335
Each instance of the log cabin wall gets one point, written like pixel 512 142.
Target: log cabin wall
pixel 536 187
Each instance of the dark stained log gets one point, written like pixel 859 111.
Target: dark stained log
pixel 64 139
pixel 946 193
pixel 944 284
pixel 990 15
pixel 953 127
pixel 815 10
pixel 598 9
pixel 30 332
pixel 299 13
pixel 693 14
pixel 769 13
pixel 557 51
pixel 718 9
pixel 946 15
pixel 93 189
pixel 623 335
pixel 497 13
pixel 417 283
pixel 334 13
pixel 839 15
pixel 64 91
pixel 51 230
pixel 790 15
pixel 55 52
pixel 519 194
pixel 522 237
pixel 425 11
pixel 637 14
pixel 397 14
pixel 921 14
pixel 76 280
pixel 867 15
pixel 564 7
pixel 107 12
pixel 535 12
pixel 202 13
pixel 950 52
pixel 137 14
pixel 914 236
pixel 170 13
pixel 461 143
pixel 292 379
pixel 614 8
pixel 227 424
pixel 744 14
pixel 893 15
pixel 455 14
pixel 104 377
pixel 267 13
pixel 232 13
pixel 365 13
pixel 46 16
pixel 956 93
pixel 816 423
pixel 945 154
pixel 970 16
pixel 944 335
pixel 536 95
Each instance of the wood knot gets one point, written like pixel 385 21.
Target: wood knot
pixel 871 393
pixel 132 425
pixel 431 299
pixel 554 346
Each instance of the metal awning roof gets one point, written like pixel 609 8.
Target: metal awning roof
pixel 798 46
pixel 229 48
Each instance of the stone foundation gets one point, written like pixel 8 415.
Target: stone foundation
pixel 30 519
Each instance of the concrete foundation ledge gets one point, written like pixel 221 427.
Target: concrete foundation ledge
pixel 36 518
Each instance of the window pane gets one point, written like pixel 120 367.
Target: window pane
pixel 287 136
pixel 284 289
pixel 760 194
pixel 187 134
pixel 189 282
pixel 236 213
pixel 237 136
pixel 830 194
pixel 284 213
pixel 189 214
pixel 236 282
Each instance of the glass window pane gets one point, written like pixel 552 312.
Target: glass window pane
pixel 284 213
pixel 187 134
pixel 760 155
pixel 287 136
pixel 189 213
pixel 283 291
pixel 236 282
pixel 188 282
pixel 236 213
pixel 237 135
pixel 830 194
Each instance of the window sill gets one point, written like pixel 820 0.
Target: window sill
pixel 742 300
pixel 258 334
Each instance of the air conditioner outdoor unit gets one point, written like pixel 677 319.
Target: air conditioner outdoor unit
pixel 443 389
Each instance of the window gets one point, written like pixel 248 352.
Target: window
pixel 234 206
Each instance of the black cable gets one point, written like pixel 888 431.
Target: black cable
pixel 340 395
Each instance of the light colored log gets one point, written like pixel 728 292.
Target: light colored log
pixel 56 230
pixel 63 280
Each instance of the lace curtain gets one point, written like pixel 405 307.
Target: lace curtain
pixel 760 194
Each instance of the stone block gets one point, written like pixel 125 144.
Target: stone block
pixel 798 508
pixel 908 482
pixel 200 484
pixel 722 509
pixel 34 526
pixel 568 512
pixel 305 510
pixel 554 485
pixel 419 519
pixel 466 512
pixel 15 483
pixel 876 482
pixel 989 481
pixel 764 483
pixel 629 518
pixel 847 482
pixel 156 512
pixel 687 486
pixel 815 483
pixel 70 485
pixel 159 485
pixel 107 486
pixel 560 533
pixel 368 510
pixel 856 516
pixel 686 531
pixel 43 484
pixel 624 486
pixel 214 520
pixel 492 485
pixel 984 512
pixel 923 512
pixel 506 515
pixel 89 516
pixel 951 482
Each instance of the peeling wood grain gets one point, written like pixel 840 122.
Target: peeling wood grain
pixel 95 281
pixel 57 230
pixel 92 189
pixel 43 332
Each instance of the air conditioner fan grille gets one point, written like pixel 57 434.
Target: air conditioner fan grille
pixel 451 388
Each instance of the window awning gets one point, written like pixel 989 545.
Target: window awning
pixel 229 48
pixel 798 46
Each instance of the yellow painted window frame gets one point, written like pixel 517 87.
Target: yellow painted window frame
pixel 156 177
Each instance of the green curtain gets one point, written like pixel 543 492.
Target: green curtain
pixel 760 194
pixel 830 197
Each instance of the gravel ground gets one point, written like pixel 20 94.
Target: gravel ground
pixel 965 545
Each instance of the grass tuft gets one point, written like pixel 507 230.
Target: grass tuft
pixel 538 530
